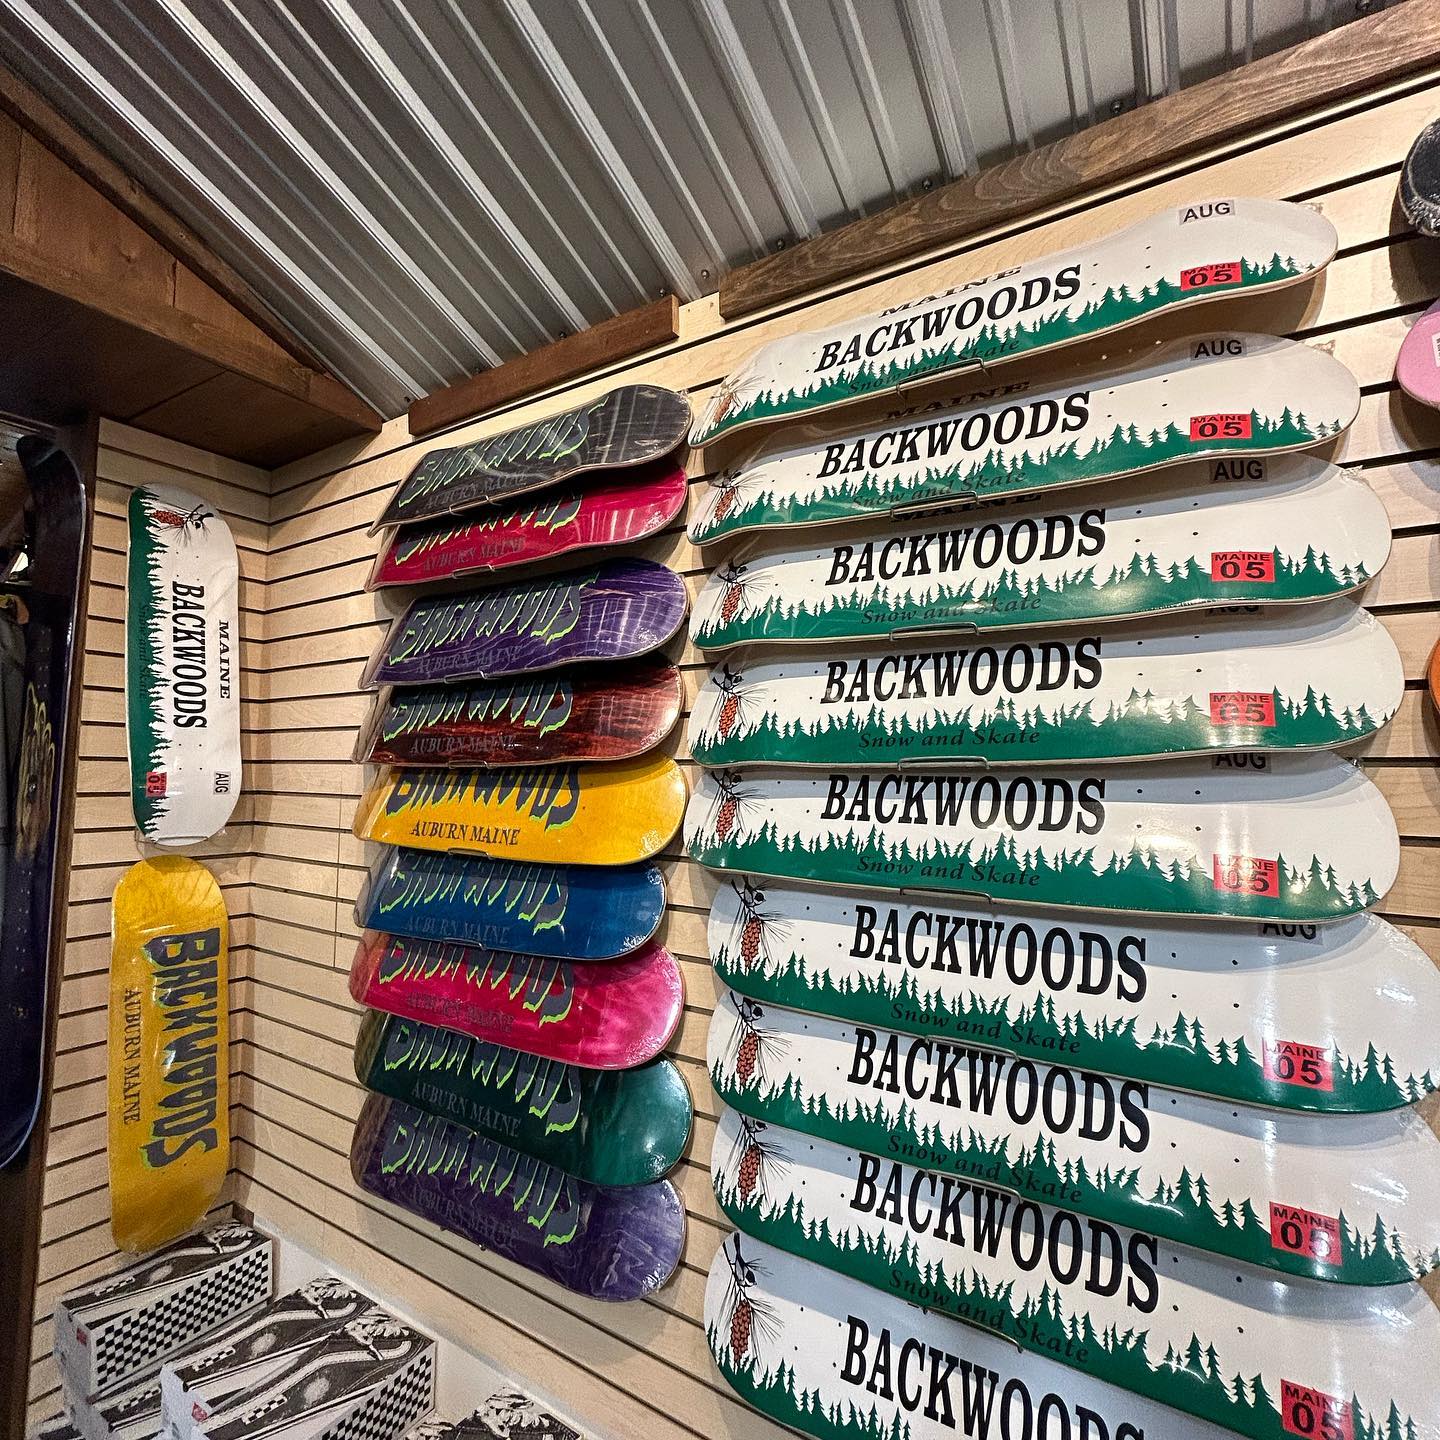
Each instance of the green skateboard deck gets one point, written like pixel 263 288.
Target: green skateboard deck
pixel 1291 838
pixel 1300 678
pixel 1335 1017
pixel 1230 394
pixel 1331 1197
pixel 1266 533
pixel 1179 257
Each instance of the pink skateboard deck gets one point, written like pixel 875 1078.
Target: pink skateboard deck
pixel 600 1017
pixel 1417 367
pixel 637 503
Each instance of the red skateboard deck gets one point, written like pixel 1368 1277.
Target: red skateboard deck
pixel 637 503
pixel 1417 367
pixel 579 715
pixel 600 1017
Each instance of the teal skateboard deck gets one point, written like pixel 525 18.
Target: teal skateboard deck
pixel 1234 395
pixel 1291 838
pixel 1176 258
pixel 1270 532
pixel 1301 678
pixel 1335 1018
pixel 617 1128
pixel 1330 1197
pixel 833 1358
pixel 1123 1305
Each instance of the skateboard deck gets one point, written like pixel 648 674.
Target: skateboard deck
pixel 628 426
pixel 833 1358
pixel 1295 838
pixel 604 1017
pixel 1181 256
pixel 1332 1018
pixel 1300 678
pixel 607 1244
pixel 566 912
pixel 35 861
pixel 611 814
pixel 1420 181
pixel 1417 367
pixel 1288 530
pixel 1331 1197
pixel 1121 1304
pixel 182 658
pixel 612 1128
pixel 614 611
pixel 169 1037
pixel 634 505
pixel 1231 394
pixel 609 713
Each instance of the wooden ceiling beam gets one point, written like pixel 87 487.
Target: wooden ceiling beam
pixel 1312 74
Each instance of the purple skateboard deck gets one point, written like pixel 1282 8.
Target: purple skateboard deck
pixel 1417 367
pixel 607 1244
pixel 613 611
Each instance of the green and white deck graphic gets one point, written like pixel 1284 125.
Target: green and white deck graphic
pixel 1181 256
pixel 1232 395
pixel 1294 680
pixel 840 1361
pixel 1280 531
pixel 1331 1197
pixel 1120 1304
pixel 1333 1018
pixel 1281 837
pixel 182 657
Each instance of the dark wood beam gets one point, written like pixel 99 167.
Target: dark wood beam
pixel 561 360
pixel 1314 73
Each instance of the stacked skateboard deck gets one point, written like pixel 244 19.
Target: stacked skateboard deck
pixel 518 1001
pixel 1056 1007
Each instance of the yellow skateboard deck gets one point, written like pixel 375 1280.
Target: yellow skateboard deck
pixel 169 1050
pixel 555 814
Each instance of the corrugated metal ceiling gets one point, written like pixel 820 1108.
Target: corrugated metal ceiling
pixel 430 187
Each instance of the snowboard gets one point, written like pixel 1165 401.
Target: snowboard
pixel 182 660
pixel 1291 838
pixel 1123 1305
pixel 636 504
pixel 603 1017
pixel 628 426
pixel 168 1051
pixel 1295 679
pixel 1420 181
pixel 835 1359
pixel 611 1128
pixel 565 912
pixel 1417 367
pixel 1332 1018
pixel 1330 1197
pixel 609 713
pixel 1181 256
pixel 606 1244
pixel 611 814
pixel 614 611
pixel 1277 532
pixel 36 857
pixel 1224 395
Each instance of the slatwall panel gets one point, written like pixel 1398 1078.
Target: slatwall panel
pixel 644 1368
pixel 75 1235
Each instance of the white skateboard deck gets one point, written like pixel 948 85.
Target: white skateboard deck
pixel 182 667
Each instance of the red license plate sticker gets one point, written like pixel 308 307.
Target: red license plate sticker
pixel 1298 1231
pixel 1288 1062
pixel 1314 1414
pixel 1206 277
pixel 1242 707
pixel 1238 425
pixel 1246 875
pixel 1254 566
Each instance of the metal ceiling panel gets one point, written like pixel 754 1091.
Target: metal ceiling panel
pixel 426 187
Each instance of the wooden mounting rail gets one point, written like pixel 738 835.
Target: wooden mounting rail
pixel 613 339
pixel 1309 75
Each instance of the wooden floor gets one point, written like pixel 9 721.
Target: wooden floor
pixel 291 868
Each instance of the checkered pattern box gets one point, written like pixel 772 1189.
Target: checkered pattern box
pixel 130 1412
pixel 113 1330
pixel 511 1415
pixel 57 1427
pixel 430 1430
pixel 372 1379
pixel 254 1349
